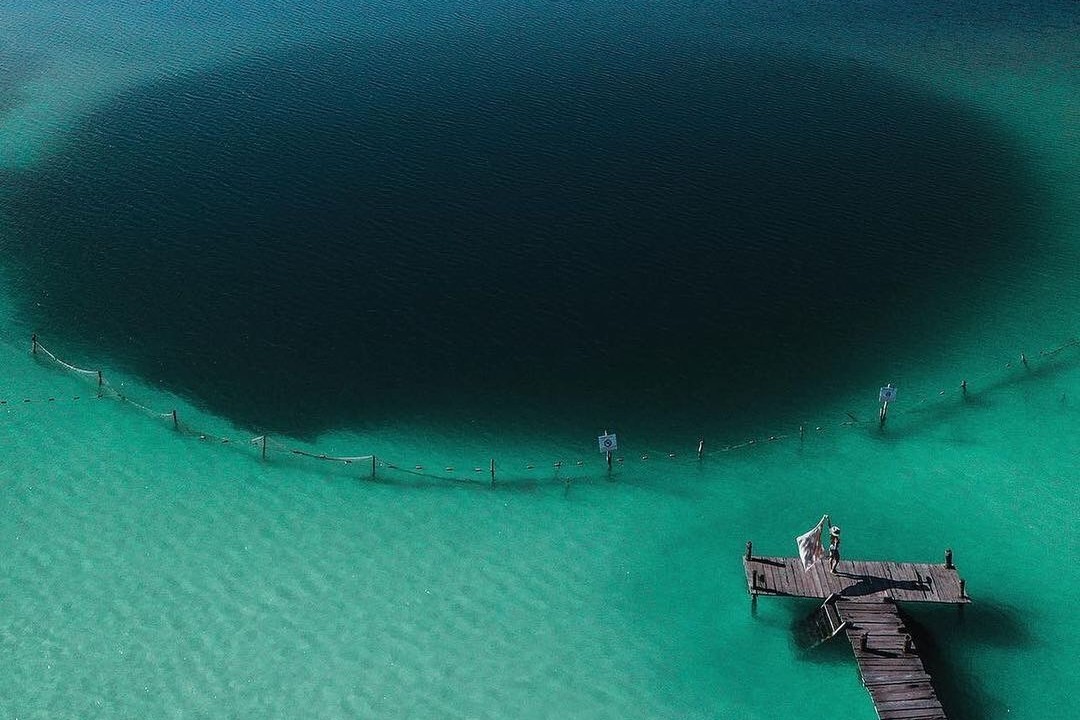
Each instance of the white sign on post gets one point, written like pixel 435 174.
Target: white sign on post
pixel 608 442
pixel 887 394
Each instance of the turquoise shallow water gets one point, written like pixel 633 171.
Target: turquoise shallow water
pixel 148 574
pixel 151 574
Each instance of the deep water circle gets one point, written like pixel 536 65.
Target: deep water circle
pixel 376 230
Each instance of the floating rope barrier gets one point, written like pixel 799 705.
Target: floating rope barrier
pixel 579 469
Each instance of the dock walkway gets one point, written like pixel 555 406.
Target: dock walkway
pixel 909 582
pixel 863 596
pixel 889 662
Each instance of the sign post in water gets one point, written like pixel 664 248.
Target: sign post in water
pixel 885 396
pixel 608 444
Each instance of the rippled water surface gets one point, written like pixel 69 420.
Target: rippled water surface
pixel 451 235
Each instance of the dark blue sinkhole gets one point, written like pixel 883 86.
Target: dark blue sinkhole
pixel 379 230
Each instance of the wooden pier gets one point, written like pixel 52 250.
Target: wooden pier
pixel 860 600
pixel 889 661
pixel 914 582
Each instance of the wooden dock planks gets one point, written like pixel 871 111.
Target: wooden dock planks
pixel 889 664
pixel 860 578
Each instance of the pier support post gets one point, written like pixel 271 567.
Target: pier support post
pixel 883 415
pixel 700 448
pixel 373 461
pixel 100 379
pixel 963 388
pixel 493 472
pixel 263 447
pixel 175 421
pixel 749 550
pixel 33 344
pixel 963 589
pixel 948 558
pixel 609 460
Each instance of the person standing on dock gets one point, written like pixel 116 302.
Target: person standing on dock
pixel 834 548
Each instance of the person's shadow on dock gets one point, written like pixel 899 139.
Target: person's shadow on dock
pixel 871 584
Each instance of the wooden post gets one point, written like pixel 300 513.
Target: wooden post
pixel 963 388
pixel 749 550
pixel 263 447
pixel 100 379
pixel 753 586
pixel 493 472
pixel 175 422
pixel 884 414
pixel 802 432
pixel 963 590
pixel 1023 359
pixel 372 467
pixel 948 558
pixel 33 344
pixel 700 448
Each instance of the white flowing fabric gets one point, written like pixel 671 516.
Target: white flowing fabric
pixel 810 547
